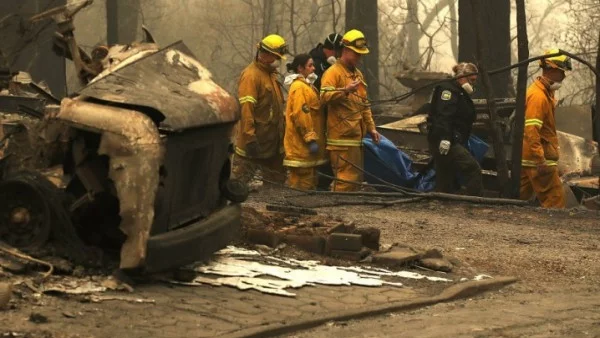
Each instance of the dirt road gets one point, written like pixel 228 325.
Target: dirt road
pixel 554 253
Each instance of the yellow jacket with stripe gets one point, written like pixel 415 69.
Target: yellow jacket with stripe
pixel 304 123
pixel 261 103
pixel 349 117
pixel 540 142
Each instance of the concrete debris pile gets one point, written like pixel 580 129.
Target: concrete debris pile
pixel 333 237
pixel 25 278
pixel 20 289
pixel 22 284
pixel 313 233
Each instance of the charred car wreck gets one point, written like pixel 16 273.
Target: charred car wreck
pixel 137 160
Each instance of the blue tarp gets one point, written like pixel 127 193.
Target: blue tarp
pixel 387 162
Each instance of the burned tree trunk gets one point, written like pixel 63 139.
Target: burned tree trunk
pixel 488 90
pixel 413 55
pixel 454 29
pixel 496 15
pixel 122 21
pixel 519 121
pixel 362 15
pixel 596 111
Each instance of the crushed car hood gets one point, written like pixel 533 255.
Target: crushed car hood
pixel 170 81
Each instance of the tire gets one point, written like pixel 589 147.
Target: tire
pixel 25 213
pixel 235 190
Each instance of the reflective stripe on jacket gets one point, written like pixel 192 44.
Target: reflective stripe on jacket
pixel 304 123
pixel 349 116
pixel 261 102
pixel 540 142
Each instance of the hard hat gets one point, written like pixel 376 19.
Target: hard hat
pixel 274 44
pixel 561 62
pixel 333 41
pixel 355 40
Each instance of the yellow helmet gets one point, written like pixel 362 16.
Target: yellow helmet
pixel 275 45
pixel 561 62
pixel 355 40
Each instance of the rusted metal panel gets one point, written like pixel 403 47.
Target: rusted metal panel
pixel 132 142
pixel 136 127
pixel 190 192
pixel 15 104
pixel 172 82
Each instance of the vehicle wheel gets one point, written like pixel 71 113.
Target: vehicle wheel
pixel 25 215
pixel 235 190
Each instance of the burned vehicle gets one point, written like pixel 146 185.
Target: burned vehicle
pixel 139 159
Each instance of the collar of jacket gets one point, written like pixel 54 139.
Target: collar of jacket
pixel 351 73
pixel 346 68
pixel 291 78
pixel 264 67
pixel 303 80
pixel 543 84
pixel 453 86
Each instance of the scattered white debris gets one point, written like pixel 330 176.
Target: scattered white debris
pixel 385 247
pixel 98 299
pixel 76 286
pixel 232 250
pixel 73 288
pixel 401 274
pixel 307 275
pixel 249 269
pixel 275 287
pixel 482 277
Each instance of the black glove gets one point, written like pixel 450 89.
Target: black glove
pixel 252 149
pixel 313 147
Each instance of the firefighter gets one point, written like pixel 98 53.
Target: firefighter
pixel 449 123
pixel 349 118
pixel 539 165
pixel 304 139
pixel 325 55
pixel 259 141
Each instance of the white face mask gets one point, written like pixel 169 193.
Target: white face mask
pixel 311 78
pixel 276 64
pixel 555 85
pixel 331 60
pixel 468 88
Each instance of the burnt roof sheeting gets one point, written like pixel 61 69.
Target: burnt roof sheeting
pixel 173 82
